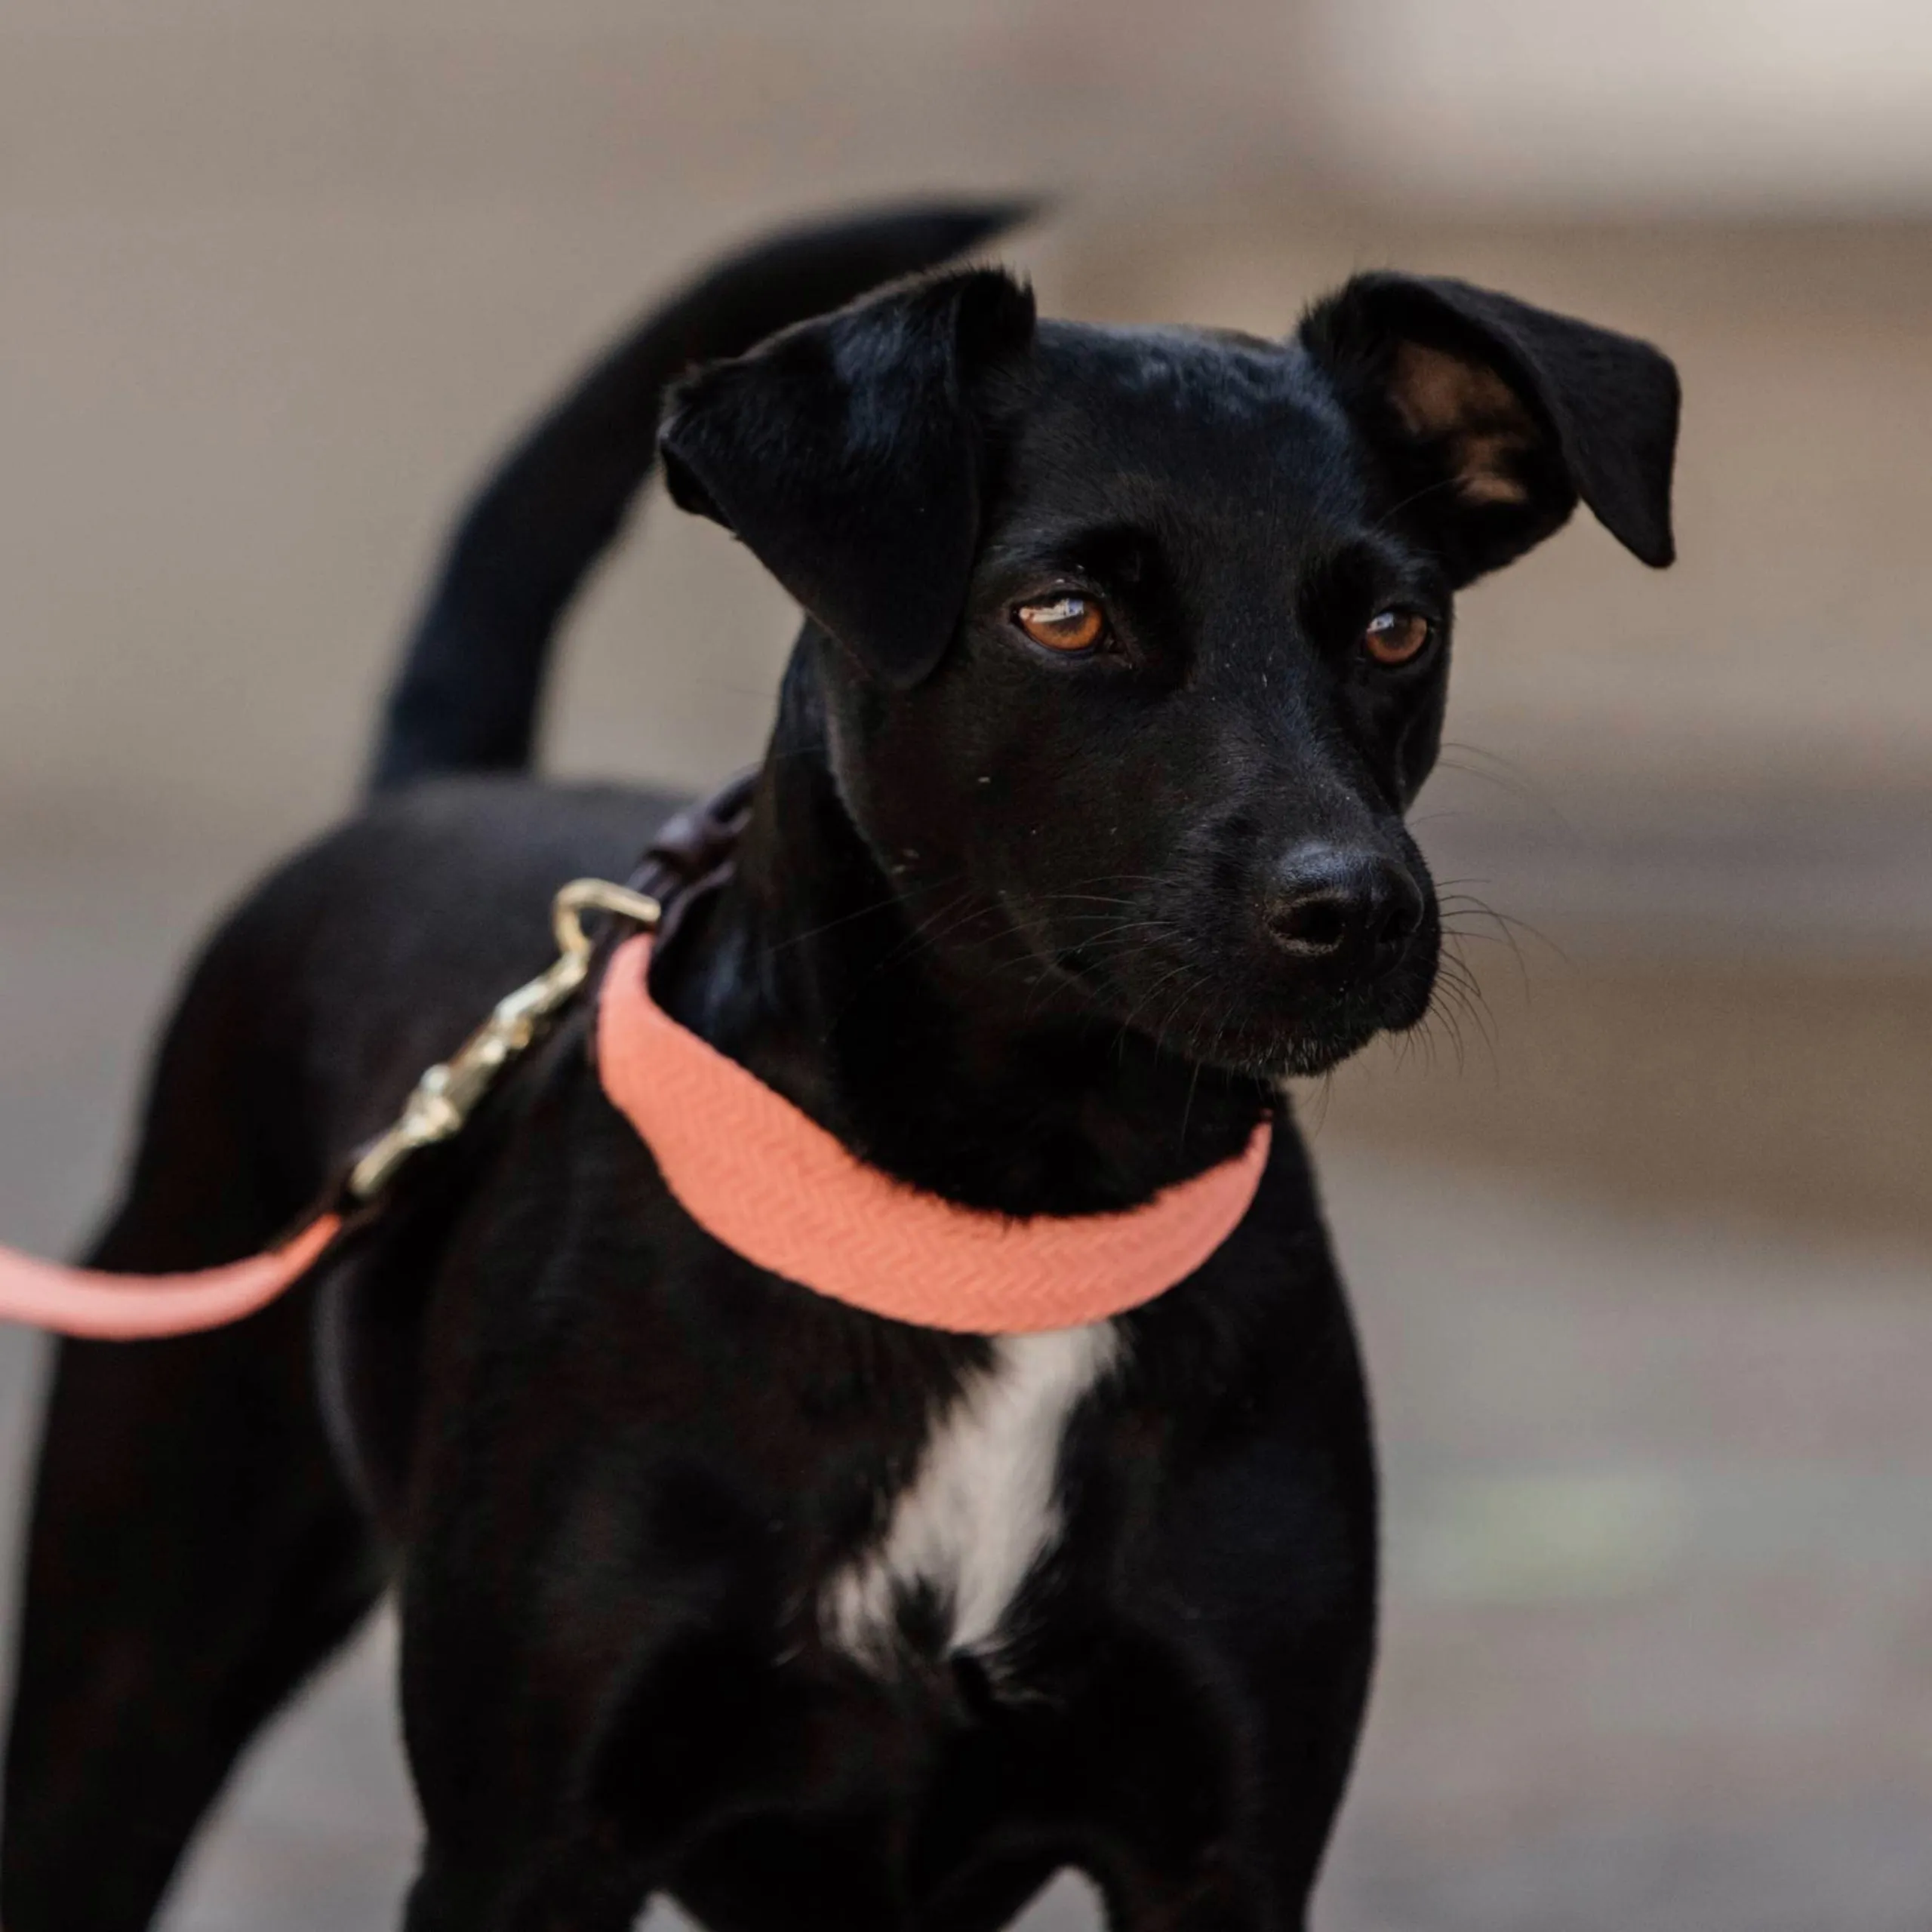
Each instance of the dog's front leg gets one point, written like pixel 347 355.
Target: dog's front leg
pixel 545 1808
pixel 563 1889
pixel 1280 1567
pixel 578 1706
pixel 1217 1729
pixel 514 1840
pixel 525 1831
pixel 554 1811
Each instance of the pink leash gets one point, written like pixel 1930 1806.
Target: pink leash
pixel 138 1308
pixel 759 1175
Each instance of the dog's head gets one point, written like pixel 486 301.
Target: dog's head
pixel 1136 640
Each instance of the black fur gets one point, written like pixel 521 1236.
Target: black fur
pixel 1039 933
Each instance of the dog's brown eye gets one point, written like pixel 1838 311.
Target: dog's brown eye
pixel 1069 623
pixel 1397 637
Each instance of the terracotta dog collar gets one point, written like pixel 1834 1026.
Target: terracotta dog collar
pixel 767 1181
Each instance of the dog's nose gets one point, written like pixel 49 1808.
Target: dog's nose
pixel 1351 913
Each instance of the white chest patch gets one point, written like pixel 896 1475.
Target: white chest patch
pixel 980 1510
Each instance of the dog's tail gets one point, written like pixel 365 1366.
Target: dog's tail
pixel 468 694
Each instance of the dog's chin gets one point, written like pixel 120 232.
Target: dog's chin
pixel 1299 1052
pixel 1306 1056
pixel 1314 1042
pixel 1262 1030
pixel 1268 1041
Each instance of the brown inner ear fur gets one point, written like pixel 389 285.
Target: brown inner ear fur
pixel 1472 412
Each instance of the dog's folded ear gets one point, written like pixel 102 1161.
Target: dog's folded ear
pixel 1494 418
pixel 847 454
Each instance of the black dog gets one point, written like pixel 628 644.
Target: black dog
pixel 1081 826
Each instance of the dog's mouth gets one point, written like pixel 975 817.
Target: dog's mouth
pixel 1248 1017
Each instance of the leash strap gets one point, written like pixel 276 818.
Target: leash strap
pixel 692 851
pixel 102 1307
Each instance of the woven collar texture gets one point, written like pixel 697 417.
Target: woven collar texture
pixel 768 1182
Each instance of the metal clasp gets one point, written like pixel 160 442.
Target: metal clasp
pixel 446 1096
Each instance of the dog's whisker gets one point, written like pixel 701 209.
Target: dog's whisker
pixel 1504 773
pixel 1505 929
pixel 1461 996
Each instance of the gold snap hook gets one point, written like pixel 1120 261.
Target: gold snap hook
pixel 440 1107
pixel 599 895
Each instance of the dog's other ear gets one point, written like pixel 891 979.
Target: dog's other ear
pixel 846 454
pixel 1494 418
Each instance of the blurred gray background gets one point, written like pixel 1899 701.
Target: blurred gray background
pixel 1641 1245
